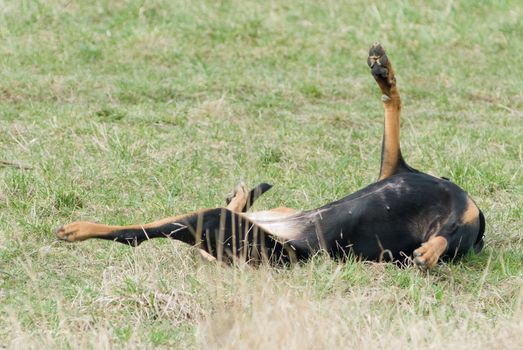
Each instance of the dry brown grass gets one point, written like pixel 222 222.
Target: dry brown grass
pixel 321 304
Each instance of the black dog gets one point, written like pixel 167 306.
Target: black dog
pixel 406 213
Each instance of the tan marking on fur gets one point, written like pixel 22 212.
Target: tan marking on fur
pixel 470 215
pixel 391 141
pixel 284 210
pixel 160 222
pixel 392 107
pixel 429 253
pixel 81 230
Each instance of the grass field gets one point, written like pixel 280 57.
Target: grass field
pixel 130 111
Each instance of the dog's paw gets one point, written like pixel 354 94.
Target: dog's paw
pixel 239 194
pixel 381 69
pixel 377 61
pixel 74 232
pixel 427 256
pixel 424 258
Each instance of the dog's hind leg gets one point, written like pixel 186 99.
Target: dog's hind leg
pixel 392 161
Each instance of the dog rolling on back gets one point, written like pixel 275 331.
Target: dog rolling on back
pixel 405 214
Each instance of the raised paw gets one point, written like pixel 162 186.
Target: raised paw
pixel 381 68
pixel 378 60
pixel 427 256
pixel 238 198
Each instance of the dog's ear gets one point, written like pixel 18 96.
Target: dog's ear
pixel 255 193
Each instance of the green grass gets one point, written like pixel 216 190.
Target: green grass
pixel 130 111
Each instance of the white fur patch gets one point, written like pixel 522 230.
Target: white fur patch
pixel 278 224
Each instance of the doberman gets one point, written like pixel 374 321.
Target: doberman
pixel 405 214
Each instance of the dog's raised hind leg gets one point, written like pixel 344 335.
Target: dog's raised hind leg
pixel 392 161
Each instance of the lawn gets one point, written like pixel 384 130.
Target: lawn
pixel 129 111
